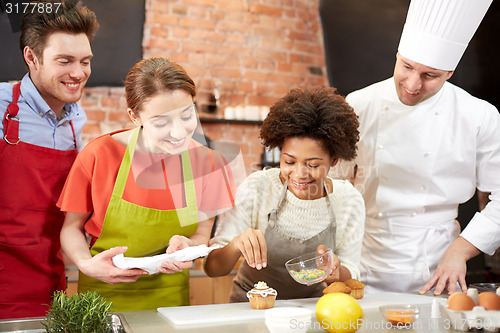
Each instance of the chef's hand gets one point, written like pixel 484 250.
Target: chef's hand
pixel 452 268
pixel 176 243
pixel 335 275
pixel 252 246
pixel 101 267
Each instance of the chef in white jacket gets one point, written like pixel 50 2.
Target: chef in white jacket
pixel 425 146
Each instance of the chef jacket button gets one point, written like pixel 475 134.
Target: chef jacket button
pixel 386 108
pixel 413 214
pixel 436 113
pixel 41 113
pixel 427 154
pixel 380 214
pixel 380 147
pixel 422 187
pixel 383 178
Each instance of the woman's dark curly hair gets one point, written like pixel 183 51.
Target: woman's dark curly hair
pixel 319 114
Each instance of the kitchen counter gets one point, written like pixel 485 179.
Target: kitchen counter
pixel 152 321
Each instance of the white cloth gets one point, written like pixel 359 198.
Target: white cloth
pixel 259 194
pixel 151 264
pixel 416 164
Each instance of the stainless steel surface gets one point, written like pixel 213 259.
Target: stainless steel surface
pixel 34 325
pixel 481 287
pixel 119 324
pixel 24 325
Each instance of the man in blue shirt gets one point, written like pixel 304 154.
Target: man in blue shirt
pixel 40 138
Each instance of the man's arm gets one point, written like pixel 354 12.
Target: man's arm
pixel 452 267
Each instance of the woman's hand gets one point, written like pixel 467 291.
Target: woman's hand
pixel 176 243
pixel 252 246
pixel 74 244
pixel 101 267
pixel 335 265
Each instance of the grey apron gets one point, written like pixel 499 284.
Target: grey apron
pixel 281 248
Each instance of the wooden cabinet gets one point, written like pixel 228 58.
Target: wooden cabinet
pixel 205 290
pixel 72 288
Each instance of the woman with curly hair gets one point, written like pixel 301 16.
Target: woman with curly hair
pixel 284 212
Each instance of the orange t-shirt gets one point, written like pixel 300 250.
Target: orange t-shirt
pixel 91 180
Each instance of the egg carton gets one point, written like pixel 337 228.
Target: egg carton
pixel 477 318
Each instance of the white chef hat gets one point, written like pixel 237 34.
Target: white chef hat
pixel 437 32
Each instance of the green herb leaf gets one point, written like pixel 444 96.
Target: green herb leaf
pixel 86 312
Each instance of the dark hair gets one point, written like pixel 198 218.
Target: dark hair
pixel 319 114
pixel 37 26
pixel 153 75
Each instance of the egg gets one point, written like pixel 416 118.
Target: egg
pixel 459 301
pixel 489 300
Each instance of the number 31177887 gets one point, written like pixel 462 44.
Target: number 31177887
pixel 32 7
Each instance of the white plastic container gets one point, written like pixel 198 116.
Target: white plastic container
pixel 288 319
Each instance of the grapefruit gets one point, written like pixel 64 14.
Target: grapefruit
pixel 339 313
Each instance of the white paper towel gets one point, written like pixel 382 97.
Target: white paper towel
pixel 151 264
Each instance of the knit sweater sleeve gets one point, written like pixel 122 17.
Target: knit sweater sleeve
pixel 252 205
pixel 350 215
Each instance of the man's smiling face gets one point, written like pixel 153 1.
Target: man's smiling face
pixel 415 82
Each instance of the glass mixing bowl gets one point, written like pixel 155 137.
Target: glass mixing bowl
pixel 310 268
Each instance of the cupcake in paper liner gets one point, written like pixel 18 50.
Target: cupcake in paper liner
pixel 262 296
pixel 357 288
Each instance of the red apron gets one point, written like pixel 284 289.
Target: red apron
pixel 31 262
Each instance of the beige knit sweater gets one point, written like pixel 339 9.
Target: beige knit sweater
pixel 259 194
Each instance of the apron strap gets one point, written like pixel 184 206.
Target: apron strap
pixel 121 177
pixel 187 215
pixel 273 215
pixel 333 220
pixel 11 126
pixel 223 169
pixel 187 174
pixel 429 234
pixel 74 135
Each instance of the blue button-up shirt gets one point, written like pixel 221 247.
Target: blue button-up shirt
pixel 37 122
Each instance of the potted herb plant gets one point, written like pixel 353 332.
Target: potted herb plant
pixel 86 312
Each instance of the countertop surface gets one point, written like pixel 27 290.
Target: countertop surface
pixel 152 321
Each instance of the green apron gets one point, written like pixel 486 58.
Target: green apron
pixel 146 232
